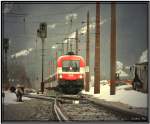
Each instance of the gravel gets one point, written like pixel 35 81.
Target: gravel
pixel 87 111
pixel 33 109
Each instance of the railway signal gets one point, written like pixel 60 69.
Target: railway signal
pixel 97 52
pixel 42 33
pixel 113 49
pixel 43 30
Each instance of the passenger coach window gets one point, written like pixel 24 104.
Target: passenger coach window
pixel 71 66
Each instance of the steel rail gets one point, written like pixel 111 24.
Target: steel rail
pixel 40 97
pixel 60 115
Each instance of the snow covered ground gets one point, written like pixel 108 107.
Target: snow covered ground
pixel 124 94
pixel 10 98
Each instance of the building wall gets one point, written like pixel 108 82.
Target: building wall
pixel 142 70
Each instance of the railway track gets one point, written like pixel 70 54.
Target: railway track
pixel 59 113
pixel 57 110
pixel 79 108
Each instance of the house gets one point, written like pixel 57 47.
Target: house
pixel 142 71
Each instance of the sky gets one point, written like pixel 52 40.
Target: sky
pixel 22 20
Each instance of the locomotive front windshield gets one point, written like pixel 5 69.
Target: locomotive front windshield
pixel 71 66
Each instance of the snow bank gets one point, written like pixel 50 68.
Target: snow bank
pixel 143 57
pixel 122 73
pixel 119 65
pixel 10 98
pixel 130 97
pixel 33 93
pixel 120 69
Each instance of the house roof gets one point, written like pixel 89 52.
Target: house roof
pixel 142 63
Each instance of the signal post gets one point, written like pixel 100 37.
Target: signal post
pixel 42 33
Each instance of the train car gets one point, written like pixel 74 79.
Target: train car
pixel 140 81
pixel 70 73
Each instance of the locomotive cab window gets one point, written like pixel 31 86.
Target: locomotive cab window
pixel 71 66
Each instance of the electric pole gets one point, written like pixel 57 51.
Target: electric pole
pixel 70 47
pixel 62 49
pixel 56 56
pixel 113 49
pixel 53 65
pixel 77 40
pixel 52 68
pixel 97 51
pixel 69 42
pixel 5 70
pixel 67 46
pixel 5 83
pixel 87 56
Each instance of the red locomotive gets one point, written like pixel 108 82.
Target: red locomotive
pixel 70 73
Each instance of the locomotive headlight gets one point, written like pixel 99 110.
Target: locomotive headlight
pixel 60 76
pixel 70 68
pixel 81 76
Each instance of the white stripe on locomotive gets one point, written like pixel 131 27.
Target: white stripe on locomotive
pixel 59 71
